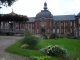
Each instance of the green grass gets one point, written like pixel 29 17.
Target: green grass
pixel 72 45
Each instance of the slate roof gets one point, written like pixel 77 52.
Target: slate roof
pixel 45 14
pixel 31 19
pixel 78 14
pixel 63 17
pixel 57 18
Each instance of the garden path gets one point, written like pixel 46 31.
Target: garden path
pixel 6 41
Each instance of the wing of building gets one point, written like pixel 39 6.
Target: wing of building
pixel 45 22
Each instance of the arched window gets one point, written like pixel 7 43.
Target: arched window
pixel 42 24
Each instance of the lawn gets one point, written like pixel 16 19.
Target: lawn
pixel 72 45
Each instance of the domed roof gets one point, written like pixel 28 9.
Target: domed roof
pixel 44 13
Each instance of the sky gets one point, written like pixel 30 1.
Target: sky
pixel 31 7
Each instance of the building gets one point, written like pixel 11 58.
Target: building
pixel 45 22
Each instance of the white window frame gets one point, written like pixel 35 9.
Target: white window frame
pixel 57 30
pixel 70 23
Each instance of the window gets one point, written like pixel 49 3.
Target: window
pixel 48 30
pixel 74 24
pixel 61 24
pixel 66 23
pixel 33 25
pixel 37 30
pixel 53 30
pixel 42 24
pixel 70 23
pixel 71 30
pixel 57 30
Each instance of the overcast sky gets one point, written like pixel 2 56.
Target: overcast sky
pixel 32 7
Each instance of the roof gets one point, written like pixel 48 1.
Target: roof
pixel 57 18
pixel 31 19
pixel 45 14
pixel 78 14
pixel 63 17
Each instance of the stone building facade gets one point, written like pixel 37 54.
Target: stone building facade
pixel 45 22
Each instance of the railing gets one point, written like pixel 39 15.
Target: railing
pixel 12 30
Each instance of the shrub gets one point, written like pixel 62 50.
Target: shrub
pixel 30 40
pixel 68 35
pixel 75 37
pixel 60 36
pixel 54 35
pixel 56 50
pixel 51 36
pixel 44 36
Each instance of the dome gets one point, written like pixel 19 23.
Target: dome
pixel 44 13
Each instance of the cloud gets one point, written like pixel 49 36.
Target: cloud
pixel 32 7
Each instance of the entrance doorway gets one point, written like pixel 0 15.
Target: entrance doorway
pixel 42 30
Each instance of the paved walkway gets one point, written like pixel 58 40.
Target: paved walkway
pixel 6 41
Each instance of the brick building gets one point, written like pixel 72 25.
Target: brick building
pixel 45 22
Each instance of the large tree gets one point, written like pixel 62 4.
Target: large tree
pixel 6 2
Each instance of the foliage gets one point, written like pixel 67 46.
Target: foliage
pixel 30 40
pixel 54 35
pixel 72 45
pixel 68 35
pixel 44 36
pixel 75 37
pixel 7 2
pixel 15 49
pixel 51 36
pixel 56 50
pixel 24 46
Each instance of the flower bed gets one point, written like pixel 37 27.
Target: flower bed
pixel 56 50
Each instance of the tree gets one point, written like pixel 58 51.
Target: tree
pixel 6 2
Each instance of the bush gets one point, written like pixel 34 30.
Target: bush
pixel 44 36
pixel 68 35
pixel 30 40
pixel 54 35
pixel 56 50
pixel 61 36
pixel 75 37
pixel 51 36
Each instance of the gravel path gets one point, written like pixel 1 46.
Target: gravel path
pixel 6 41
